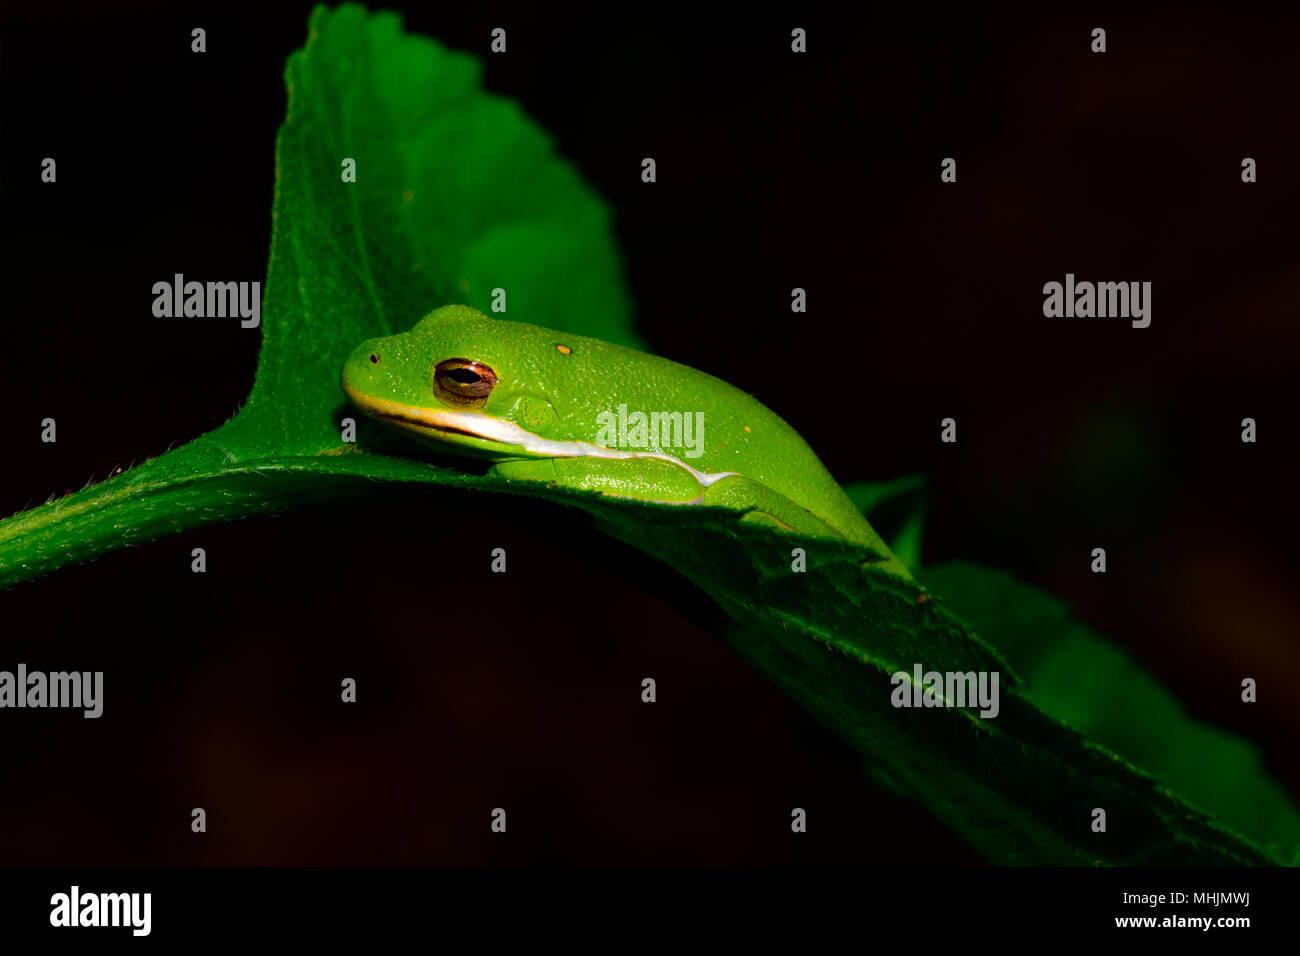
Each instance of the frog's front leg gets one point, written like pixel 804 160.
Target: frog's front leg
pixel 763 506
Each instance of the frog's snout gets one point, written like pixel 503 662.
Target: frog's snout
pixel 362 365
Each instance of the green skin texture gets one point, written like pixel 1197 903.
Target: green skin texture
pixel 556 397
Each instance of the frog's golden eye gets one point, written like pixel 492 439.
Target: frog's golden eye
pixel 463 382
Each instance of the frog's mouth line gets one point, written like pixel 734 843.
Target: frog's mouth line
pixel 422 426
pixel 435 422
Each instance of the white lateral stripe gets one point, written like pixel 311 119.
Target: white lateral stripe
pixel 508 433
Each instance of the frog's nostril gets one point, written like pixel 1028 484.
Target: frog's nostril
pixel 374 358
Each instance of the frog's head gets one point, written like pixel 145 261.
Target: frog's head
pixel 482 386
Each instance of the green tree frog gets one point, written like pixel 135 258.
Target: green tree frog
pixel 580 413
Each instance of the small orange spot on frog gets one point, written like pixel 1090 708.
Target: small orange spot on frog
pixel 563 349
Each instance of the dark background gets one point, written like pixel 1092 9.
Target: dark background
pixel 775 171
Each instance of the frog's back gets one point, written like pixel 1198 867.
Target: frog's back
pixel 737 433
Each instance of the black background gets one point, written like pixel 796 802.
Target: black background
pixel 775 171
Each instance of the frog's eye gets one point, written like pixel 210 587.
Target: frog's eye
pixel 463 382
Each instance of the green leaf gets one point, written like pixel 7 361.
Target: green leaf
pixel 1096 688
